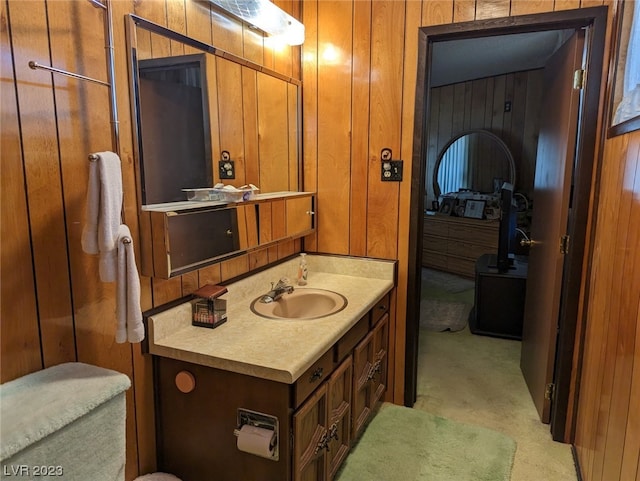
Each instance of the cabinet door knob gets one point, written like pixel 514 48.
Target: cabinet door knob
pixel 317 374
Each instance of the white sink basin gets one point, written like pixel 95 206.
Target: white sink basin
pixel 303 303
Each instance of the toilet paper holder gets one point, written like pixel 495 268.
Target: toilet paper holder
pixel 259 420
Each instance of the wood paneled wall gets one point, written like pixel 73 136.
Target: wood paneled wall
pixel 608 423
pixel 54 308
pixel 358 73
pixel 359 87
pixel 479 104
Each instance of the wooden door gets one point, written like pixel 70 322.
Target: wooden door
pixel 339 406
pixel 361 405
pixel 551 197
pixel 309 434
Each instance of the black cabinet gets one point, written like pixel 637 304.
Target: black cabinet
pixel 499 298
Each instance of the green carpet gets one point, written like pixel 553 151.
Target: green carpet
pixel 404 444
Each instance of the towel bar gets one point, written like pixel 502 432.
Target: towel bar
pixel 126 240
pixel 93 157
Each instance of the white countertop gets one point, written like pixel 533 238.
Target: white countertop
pixel 280 350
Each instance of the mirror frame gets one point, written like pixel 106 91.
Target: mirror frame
pixel 503 146
pixel 133 21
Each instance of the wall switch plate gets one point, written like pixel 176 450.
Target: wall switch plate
pixel 392 170
pixel 227 169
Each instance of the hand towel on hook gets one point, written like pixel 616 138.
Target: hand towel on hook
pixel 104 212
pixel 128 311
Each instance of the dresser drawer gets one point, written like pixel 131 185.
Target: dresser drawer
pixel 435 243
pixel 351 339
pixel 313 377
pixel 434 226
pixel 380 309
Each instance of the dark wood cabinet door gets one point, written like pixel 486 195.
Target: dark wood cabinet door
pixel 310 433
pixel 339 411
pixel 361 404
pixel 380 359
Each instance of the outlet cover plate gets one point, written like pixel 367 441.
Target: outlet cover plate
pixel 392 170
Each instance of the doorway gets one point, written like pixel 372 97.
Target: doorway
pixel 568 347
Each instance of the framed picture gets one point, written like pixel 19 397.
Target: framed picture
pixel 624 104
pixel 447 205
pixel 474 209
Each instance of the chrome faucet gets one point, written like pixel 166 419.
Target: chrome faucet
pixel 277 291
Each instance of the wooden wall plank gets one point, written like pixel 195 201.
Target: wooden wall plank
pixel 621 347
pixel 334 127
pixel 631 452
pixel 230 118
pixel 589 434
pixel 20 338
pixel 493 9
pixel 464 10
pixel 524 7
pixel 384 127
pixel 43 182
pixel 436 12
pixel 251 158
pixel 360 105
pixel 273 139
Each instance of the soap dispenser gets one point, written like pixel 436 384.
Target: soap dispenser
pixel 303 271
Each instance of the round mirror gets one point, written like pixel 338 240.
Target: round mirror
pixel 475 160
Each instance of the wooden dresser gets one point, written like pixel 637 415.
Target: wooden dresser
pixel 453 244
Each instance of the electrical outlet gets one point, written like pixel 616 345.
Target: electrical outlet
pixel 227 169
pixel 392 170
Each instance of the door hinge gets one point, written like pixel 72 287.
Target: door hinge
pixel 549 391
pixel 578 79
pixel 564 244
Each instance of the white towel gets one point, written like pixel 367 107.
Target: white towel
pixel 128 312
pixel 104 211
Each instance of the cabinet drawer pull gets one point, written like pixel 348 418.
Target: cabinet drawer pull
pixel 317 374
pixel 373 370
pixel 323 443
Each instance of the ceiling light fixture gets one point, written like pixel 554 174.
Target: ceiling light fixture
pixel 267 17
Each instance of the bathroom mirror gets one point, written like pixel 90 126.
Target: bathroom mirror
pixel 475 160
pixel 194 105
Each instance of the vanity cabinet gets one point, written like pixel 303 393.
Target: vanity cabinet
pixel 370 369
pixel 321 428
pixel 454 244
pixel 319 415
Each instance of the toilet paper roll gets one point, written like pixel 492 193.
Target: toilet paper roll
pixel 255 440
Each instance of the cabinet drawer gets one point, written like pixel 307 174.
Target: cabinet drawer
pixel 434 243
pixel 380 309
pixel 434 259
pixel 467 250
pixel 313 377
pixel 484 235
pixel 346 344
pixel 464 267
pixel 435 227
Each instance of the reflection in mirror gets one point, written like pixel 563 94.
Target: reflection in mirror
pixel 175 134
pixel 192 101
pixel 475 160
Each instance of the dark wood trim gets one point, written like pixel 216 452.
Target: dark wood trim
pixel 562 427
pixel 595 18
pixel 576 462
